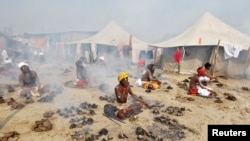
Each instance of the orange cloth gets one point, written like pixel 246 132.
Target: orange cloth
pixel 193 91
pixel 201 71
pixel 84 83
pixel 145 84
pixel 80 83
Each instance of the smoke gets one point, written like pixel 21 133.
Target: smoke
pixel 149 22
pixel 55 73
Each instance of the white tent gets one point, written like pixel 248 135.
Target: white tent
pixel 207 31
pixel 200 41
pixel 113 35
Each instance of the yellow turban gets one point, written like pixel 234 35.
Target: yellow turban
pixel 122 75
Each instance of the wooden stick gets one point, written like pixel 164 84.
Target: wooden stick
pixel 215 57
pixel 115 118
pixel 155 54
pixel 112 119
pixel 9 117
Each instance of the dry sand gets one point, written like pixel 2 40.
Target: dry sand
pixel 193 117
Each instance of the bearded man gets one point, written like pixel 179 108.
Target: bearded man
pixel 29 81
pixel 149 81
pixel 122 91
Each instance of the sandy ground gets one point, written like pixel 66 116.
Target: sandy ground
pixel 173 115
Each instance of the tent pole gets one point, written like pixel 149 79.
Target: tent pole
pixel 155 54
pixel 248 58
pixel 130 51
pixel 215 57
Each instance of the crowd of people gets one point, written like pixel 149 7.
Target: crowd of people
pixel 30 84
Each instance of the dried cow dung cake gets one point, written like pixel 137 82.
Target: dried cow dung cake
pixel 230 96
pixel 42 125
pixel 13 135
pixel 2 100
pixel 10 89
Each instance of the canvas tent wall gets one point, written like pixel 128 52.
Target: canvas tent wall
pixel 57 43
pixel 112 35
pixel 13 45
pixel 196 57
pixel 200 41
pixel 38 41
pixel 68 52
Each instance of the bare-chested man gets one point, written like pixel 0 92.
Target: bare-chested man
pixel 197 84
pixel 122 90
pixel 207 72
pixel 28 81
pixel 149 81
pixel 81 69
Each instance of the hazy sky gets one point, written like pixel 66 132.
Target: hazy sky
pixel 149 20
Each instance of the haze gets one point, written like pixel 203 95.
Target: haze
pixel 149 20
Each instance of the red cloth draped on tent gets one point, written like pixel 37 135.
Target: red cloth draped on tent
pixel 177 55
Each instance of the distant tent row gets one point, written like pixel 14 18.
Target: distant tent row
pixel 199 42
pixel 207 40
pixel 111 41
pixel 14 48
pixel 38 41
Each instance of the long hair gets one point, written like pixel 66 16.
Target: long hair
pixel 207 66
pixel 150 68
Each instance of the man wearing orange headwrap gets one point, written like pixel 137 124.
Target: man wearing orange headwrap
pixel 197 84
pixel 122 90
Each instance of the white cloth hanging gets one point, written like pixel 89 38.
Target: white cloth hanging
pixel 231 51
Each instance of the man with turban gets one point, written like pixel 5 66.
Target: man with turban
pixel 29 81
pixel 197 84
pixel 122 90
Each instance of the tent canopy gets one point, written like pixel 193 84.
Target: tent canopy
pixel 208 30
pixel 112 34
pixel 199 42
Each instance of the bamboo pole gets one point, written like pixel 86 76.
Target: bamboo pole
pixel 215 57
pixel 248 58
pixel 155 54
